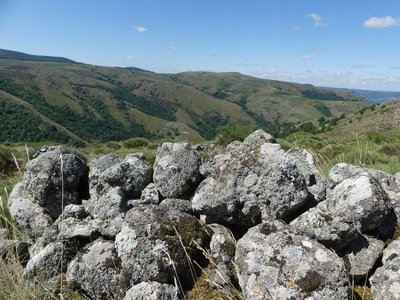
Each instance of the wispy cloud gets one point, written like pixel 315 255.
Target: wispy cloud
pixel 397 68
pixel 360 66
pixel 129 57
pixel 173 48
pixel 306 56
pixel 140 28
pixel 296 27
pixel 317 19
pixel 381 22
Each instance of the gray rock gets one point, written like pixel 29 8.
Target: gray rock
pixel 273 262
pixel 154 245
pixel 82 230
pixel 46 262
pixel 4 233
pixel 53 177
pixel 343 171
pixel 385 283
pixel 257 138
pixel 365 253
pixel 26 213
pixel 152 291
pixel 316 183
pixel 176 170
pixel 222 256
pixel 150 195
pixel 354 206
pixel 75 211
pixel 107 205
pixel 177 204
pixel 53 180
pixel 111 227
pixel 251 184
pixel 131 174
pixel 96 270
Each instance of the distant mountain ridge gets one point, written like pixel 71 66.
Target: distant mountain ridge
pixel 58 99
pixel 8 54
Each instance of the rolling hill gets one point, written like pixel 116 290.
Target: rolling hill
pixel 44 98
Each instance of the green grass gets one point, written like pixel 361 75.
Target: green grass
pixel 378 150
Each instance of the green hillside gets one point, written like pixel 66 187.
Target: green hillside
pixel 70 102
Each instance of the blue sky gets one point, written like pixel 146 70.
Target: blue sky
pixel 340 43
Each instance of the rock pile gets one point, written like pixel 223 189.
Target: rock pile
pixel 268 221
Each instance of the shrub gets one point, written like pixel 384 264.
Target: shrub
pixel 135 143
pixel 7 164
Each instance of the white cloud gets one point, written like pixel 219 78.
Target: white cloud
pixel 306 56
pixel 381 22
pixel 318 21
pixel 173 48
pixel 140 28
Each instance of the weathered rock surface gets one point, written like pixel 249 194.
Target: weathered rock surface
pixel 343 171
pixel 251 182
pixel 132 175
pixel 364 254
pixel 222 251
pixel 176 170
pixel 152 291
pixel 274 262
pixel 316 184
pixel 354 206
pixel 150 195
pixel 134 239
pixel 385 283
pixel 153 246
pixel 96 271
pixel 55 178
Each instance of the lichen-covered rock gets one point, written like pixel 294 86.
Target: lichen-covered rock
pixel 364 253
pixel 152 291
pixel 274 262
pixel 343 171
pixel 107 205
pixel 54 179
pixel 177 204
pixel 154 245
pixel 26 213
pixel 176 170
pixel 150 195
pixel 45 263
pixel 222 254
pixel 354 206
pixel 385 283
pixel 96 270
pixel 316 184
pixel 251 182
pixel 131 175
pixel 81 230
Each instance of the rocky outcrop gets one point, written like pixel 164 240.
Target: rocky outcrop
pixel 252 182
pixel 356 205
pixel 110 232
pixel 54 179
pixel 275 262
pixel 176 170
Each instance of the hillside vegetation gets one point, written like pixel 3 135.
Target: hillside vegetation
pixel 68 102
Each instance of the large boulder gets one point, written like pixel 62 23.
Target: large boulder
pixel 96 270
pixel 113 181
pixel 343 171
pixel 251 182
pixel 55 178
pixel 176 170
pixel 158 244
pixel 132 175
pixel 275 262
pixel 385 283
pixel 356 205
